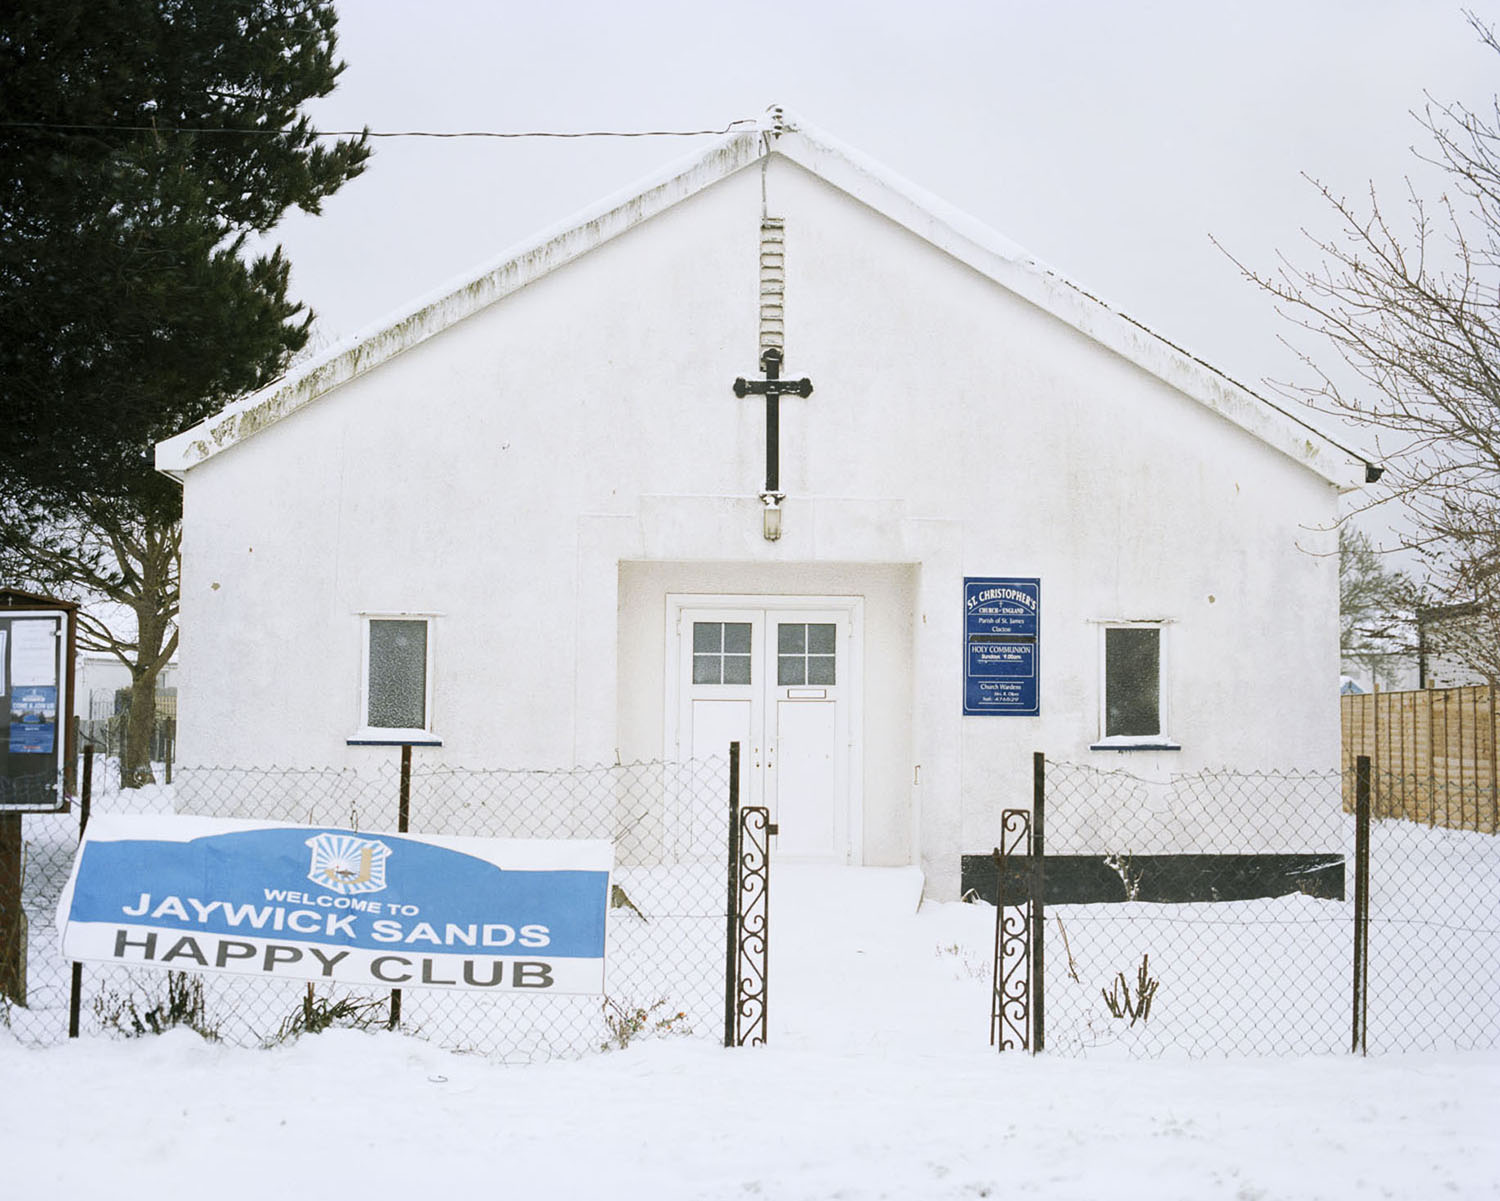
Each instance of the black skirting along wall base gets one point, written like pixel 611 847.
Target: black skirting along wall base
pixel 1173 879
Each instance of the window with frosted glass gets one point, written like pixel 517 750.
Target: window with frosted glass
pixel 805 652
pixel 398 675
pixel 721 652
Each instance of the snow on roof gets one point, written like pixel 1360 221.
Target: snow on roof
pixel 918 211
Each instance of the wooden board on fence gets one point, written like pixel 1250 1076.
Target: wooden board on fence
pixel 1432 753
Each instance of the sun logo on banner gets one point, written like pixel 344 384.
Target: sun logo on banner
pixel 346 864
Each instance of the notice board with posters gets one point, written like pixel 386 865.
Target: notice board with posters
pixel 35 680
pixel 1002 646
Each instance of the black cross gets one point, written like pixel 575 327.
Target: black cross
pixel 773 388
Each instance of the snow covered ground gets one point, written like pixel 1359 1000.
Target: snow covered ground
pixel 878 1083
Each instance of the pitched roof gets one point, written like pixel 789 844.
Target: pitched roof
pixel 944 227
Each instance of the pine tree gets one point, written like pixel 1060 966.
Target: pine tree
pixel 146 145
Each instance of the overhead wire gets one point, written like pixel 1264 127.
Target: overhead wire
pixel 743 122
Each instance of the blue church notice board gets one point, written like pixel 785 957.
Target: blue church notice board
pixel 1002 646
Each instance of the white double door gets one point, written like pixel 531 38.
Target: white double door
pixel 780 676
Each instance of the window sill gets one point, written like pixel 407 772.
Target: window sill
pixel 393 738
pixel 1156 743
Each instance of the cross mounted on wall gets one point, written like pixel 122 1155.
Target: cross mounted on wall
pixel 773 388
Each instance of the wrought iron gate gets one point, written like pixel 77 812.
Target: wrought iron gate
pixel 1017 1000
pixel 748 916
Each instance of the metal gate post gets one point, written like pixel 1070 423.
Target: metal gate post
pixel 1038 903
pixel 1361 904
pixel 732 903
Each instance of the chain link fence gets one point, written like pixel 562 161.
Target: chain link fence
pixel 108 715
pixel 665 942
pixel 1208 914
pixel 1434 934
pixel 1214 914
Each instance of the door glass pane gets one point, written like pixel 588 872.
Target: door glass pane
pixel 805 653
pixel 721 652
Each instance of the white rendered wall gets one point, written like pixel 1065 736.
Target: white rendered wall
pixel 500 475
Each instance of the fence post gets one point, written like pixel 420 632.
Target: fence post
pixel 1494 768
pixel 732 904
pixel 997 1010
pixel 1361 903
pixel 403 818
pixel 1038 903
pixel 85 800
pixel 12 917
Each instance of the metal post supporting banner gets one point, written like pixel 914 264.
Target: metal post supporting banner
pixel 75 994
pixel 1361 903
pixel 403 817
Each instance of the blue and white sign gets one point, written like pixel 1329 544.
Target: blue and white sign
pixel 1002 646
pixel 309 903
pixel 33 720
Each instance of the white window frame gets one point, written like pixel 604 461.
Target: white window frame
pixel 368 735
pixel 1160 741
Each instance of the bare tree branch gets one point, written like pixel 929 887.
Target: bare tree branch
pixel 1412 311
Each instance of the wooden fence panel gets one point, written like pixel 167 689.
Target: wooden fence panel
pixel 1433 754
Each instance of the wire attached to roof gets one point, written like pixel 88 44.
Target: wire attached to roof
pixel 741 123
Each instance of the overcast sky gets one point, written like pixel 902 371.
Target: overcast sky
pixel 1110 139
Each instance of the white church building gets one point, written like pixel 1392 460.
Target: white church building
pixel 775 449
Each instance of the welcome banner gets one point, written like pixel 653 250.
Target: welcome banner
pixel 322 904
